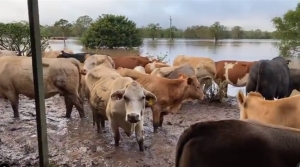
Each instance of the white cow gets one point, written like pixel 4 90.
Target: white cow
pixel 125 108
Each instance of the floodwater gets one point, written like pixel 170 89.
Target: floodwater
pixel 74 142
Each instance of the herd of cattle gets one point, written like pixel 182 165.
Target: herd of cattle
pixel 119 89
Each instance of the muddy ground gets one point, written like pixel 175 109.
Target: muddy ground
pixel 74 142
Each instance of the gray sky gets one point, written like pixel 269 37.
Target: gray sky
pixel 249 14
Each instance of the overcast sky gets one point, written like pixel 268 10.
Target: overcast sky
pixel 249 14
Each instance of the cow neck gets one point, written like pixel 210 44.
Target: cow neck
pixel 176 89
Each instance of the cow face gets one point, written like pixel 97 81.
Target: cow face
pixel 136 98
pixel 98 60
pixel 194 89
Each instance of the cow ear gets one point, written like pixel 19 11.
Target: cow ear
pixel 181 76
pixel 118 94
pixel 190 81
pixel 150 98
pixel 240 97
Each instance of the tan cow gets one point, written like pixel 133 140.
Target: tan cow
pixel 152 66
pixel 169 92
pixel 126 107
pixel 8 53
pixel 233 72
pixel 140 69
pixel 89 64
pixel 61 76
pixel 55 53
pixel 205 66
pixel 284 112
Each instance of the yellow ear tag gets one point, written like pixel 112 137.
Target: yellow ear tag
pixel 150 102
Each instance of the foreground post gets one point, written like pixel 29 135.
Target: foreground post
pixel 34 23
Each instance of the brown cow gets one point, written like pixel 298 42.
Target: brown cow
pixel 152 66
pixel 233 72
pixel 284 112
pixel 130 61
pixel 236 143
pixel 205 66
pixel 169 92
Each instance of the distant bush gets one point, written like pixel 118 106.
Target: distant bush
pixel 112 31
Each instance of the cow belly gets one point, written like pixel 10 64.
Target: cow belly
pixel 240 82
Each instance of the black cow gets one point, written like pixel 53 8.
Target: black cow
pixel 271 78
pixel 294 80
pixel 79 56
pixel 237 143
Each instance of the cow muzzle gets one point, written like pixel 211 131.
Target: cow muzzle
pixel 133 118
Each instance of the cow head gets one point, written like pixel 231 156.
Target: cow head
pixel 98 60
pixel 62 54
pixel 136 98
pixel 194 89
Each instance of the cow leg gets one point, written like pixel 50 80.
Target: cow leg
pixel 102 123
pixel 156 110
pixel 14 102
pixel 98 119
pixel 78 104
pixel 116 132
pixel 225 90
pixel 161 119
pixel 174 109
pixel 69 106
pixel 139 133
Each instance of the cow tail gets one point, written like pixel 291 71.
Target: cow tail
pixel 260 69
pixel 193 131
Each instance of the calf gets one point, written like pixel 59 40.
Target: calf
pixel 152 66
pixel 233 72
pixel 126 108
pixel 271 78
pixel 285 112
pixel 236 143
pixel 205 66
pixel 60 77
pixel 81 57
pixel 130 61
pixel 169 92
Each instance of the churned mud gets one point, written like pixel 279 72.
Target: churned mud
pixel 74 142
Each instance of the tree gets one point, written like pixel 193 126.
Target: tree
pixel 288 30
pixel 153 29
pixel 237 32
pixel 112 31
pixel 81 24
pixel 217 30
pixel 64 25
pixel 16 37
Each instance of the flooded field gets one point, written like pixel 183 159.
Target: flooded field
pixel 74 142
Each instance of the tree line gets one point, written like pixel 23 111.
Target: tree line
pixel 216 31
pixel 118 31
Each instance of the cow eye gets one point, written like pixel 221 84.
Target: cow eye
pixel 142 98
pixel 126 98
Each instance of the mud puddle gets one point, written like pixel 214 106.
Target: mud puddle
pixel 74 142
